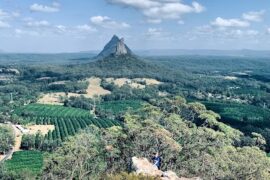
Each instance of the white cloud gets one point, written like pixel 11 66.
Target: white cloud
pixel 181 22
pixel 107 22
pixel 154 32
pixel 65 30
pixel 86 28
pixel 255 16
pixel 4 24
pixel 209 31
pixel 241 33
pixel 268 30
pixel 20 32
pixel 61 28
pixel 158 34
pixel 154 21
pixel 158 10
pixel 15 14
pixel 44 8
pixel 252 32
pixel 38 23
pixel 220 22
pixel 198 8
pixel 3 14
pixel 8 15
pixel 140 4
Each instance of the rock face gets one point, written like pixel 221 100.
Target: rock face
pixel 116 47
pixel 143 166
pixel 121 48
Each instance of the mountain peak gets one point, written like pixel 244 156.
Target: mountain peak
pixel 115 47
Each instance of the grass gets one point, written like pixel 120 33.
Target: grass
pixel 31 161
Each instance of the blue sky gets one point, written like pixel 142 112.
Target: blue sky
pixel 82 25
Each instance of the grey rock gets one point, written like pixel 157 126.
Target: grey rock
pixel 115 47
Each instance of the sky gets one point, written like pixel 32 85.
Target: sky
pixel 51 26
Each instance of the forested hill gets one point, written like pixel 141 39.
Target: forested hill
pixel 118 59
pixel 115 60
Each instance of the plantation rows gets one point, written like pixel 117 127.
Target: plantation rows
pixel 25 160
pixel 70 126
pixel 51 111
pixel 67 121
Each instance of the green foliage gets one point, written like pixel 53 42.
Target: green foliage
pixel 246 118
pixel 240 114
pixel 189 150
pixel 114 108
pixel 81 157
pixel 6 138
pixel 120 106
pixel 190 138
pixel 72 86
pixel 31 161
pixel 79 102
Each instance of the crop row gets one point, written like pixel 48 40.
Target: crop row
pixel 67 121
pixel 65 127
pixel 51 111
pixel 25 160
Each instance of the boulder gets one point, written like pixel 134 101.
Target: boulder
pixel 144 167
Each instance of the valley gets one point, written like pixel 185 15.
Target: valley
pixel 200 115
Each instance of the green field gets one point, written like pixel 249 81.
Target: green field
pixel 65 127
pixel 117 107
pixel 68 121
pixel 51 111
pixel 25 161
pixel 240 114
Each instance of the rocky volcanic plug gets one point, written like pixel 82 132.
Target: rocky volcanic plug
pixel 116 47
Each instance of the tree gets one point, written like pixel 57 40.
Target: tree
pixel 205 151
pixel 6 138
pixel 80 157
pixel 28 142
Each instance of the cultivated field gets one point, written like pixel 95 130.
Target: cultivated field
pixel 25 160
pixel 65 121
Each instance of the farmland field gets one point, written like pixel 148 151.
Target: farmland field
pixel 51 111
pixel 67 121
pixel 25 160
pixel 237 114
pixel 117 107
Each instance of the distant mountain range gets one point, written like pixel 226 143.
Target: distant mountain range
pixel 198 52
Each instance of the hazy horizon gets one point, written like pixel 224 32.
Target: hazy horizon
pixel 96 51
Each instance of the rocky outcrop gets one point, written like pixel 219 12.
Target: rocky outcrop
pixel 115 47
pixel 143 166
pixel 121 48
